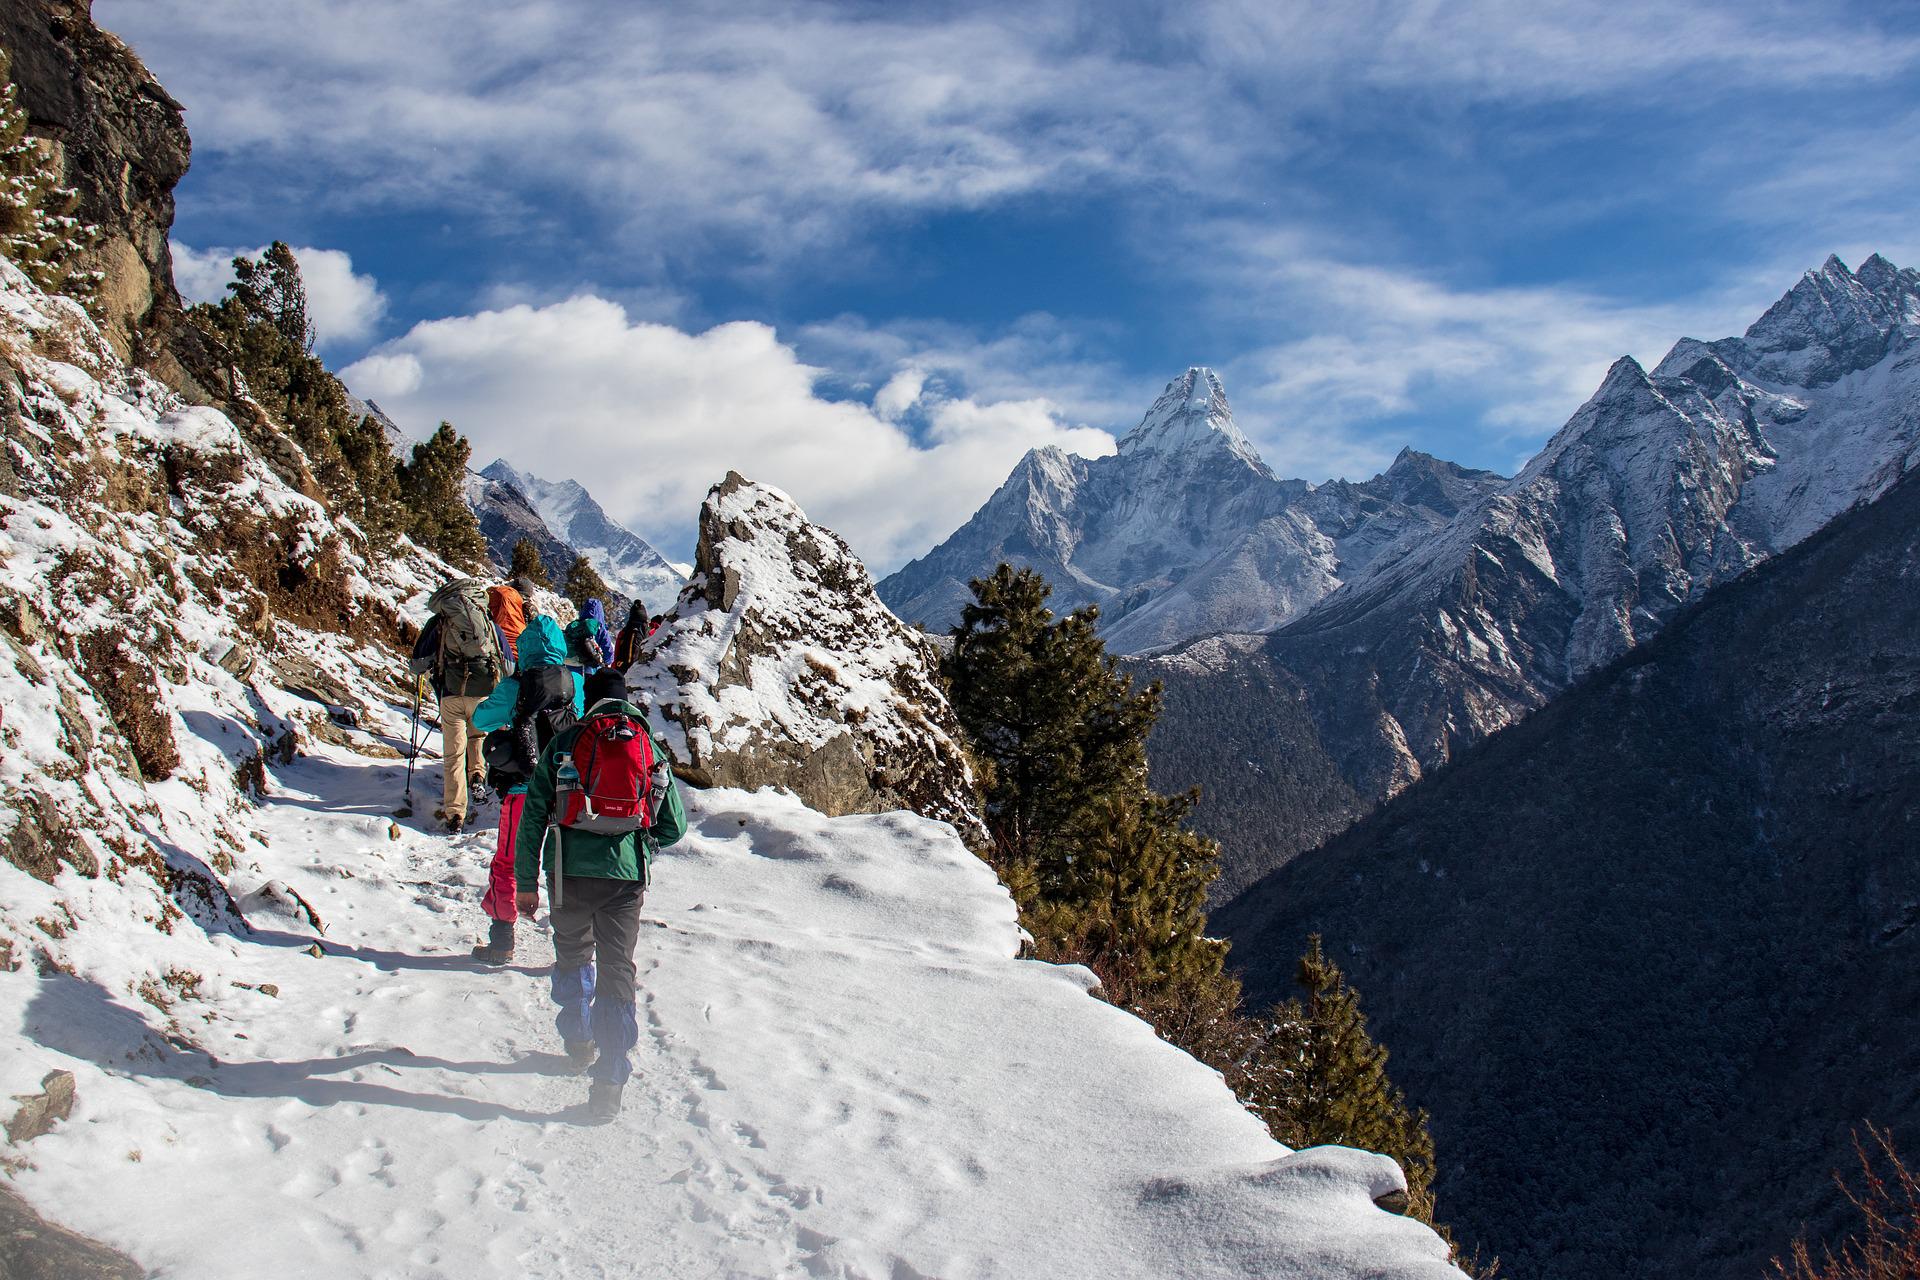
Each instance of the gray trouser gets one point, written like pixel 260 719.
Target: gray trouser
pixel 595 929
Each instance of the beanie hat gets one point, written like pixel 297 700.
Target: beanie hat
pixel 607 682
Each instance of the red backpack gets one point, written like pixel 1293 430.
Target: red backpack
pixel 606 790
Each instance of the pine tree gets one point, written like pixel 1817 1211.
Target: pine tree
pixel 584 583
pixel 271 288
pixel 376 481
pixel 527 564
pixel 38 230
pixel 433 486
pixel 1339 1091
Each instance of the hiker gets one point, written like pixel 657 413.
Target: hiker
pixel 626 646
pixel 466 654
pixel 528 710
pixel 600 802
pixel 589 644
pixel 508 606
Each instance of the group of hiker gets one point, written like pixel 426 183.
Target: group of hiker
pixel 540 714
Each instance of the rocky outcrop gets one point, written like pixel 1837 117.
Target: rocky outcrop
pixel 123 146
pixel 1183 531
pixel 780 667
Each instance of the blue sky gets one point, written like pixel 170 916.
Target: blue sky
pixel 873 252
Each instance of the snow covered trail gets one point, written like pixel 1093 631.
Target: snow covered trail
pixel 842 1072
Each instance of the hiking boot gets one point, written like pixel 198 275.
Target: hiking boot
pixel 603 1101
pixel 498 948
pixel 581 1053
pixel 454 822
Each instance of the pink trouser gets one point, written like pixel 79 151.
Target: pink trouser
pixel 498 902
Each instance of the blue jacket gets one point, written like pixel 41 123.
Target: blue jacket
pixel 541 645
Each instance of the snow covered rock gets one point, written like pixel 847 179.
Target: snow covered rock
pixel 1184 531
pixel 780 667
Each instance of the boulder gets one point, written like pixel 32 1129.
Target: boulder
pixel 778 666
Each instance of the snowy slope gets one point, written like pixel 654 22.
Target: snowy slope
pixel 286 1065
pixel 626 560
pixel 1184 531
pixel 844 1072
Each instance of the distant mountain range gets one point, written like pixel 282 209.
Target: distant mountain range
pixel 626 560
pixel 561 520
pixel 1663 486
pixel 1184 531
pixel 1650 955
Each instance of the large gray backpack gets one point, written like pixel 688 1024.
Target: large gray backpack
pixel 469 659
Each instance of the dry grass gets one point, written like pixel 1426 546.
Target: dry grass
pixel 1888 1244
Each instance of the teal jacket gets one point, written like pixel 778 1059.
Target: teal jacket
pixel 541 645
pixel 586 853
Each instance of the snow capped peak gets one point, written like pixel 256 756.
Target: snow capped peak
pixel 1192 413
pixel 1833 322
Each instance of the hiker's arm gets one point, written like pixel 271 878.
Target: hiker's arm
pixel 527 841
pixel 424 648
pixel 497 711
pixel 670 814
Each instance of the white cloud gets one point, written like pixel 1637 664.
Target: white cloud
pixel 647 416
pixel 780 127
pixel 344 306
pixel 900 393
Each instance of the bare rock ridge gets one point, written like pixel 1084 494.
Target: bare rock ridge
pixel 778 666
pixel 1184 531
pixel 122 145
pixel 1660 488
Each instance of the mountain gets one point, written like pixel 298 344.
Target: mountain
pixel 1650 954
pixel 628 563
pixel 506 516
pixel 1183 531
pixel 1662 486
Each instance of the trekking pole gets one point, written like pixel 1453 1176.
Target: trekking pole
pixel 413 747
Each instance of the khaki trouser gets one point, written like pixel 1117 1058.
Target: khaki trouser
pixel 460 744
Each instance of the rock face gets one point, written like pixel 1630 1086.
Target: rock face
pixel 1661 487
pixel 627 561
pixel 1184 531
pixel 1692 886
pixel 506 516
pixel 780 667
pixel 123 146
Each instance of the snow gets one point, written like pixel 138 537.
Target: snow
pixel 843 1071
pixel 844 1068
pixel 625 560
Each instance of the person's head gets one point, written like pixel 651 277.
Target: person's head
pixel 524 585
pixel 637 611
pixel 607 682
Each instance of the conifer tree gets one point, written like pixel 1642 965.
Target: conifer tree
pixel 271 289
pixel 1339 1092
pixel 584 583
pixel 527 564
pixel 376 482
pixel 434 487
pixel 38 230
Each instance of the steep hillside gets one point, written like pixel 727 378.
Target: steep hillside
pixel 1649 954
pixel 1661 487
pixel 1184 531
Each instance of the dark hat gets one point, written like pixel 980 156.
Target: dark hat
pixel 607 682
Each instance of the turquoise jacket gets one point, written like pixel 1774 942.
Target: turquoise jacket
pixel 541 645
pixel 587 853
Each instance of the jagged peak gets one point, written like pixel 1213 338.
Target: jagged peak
pixel 1626 376
pixel 1192 413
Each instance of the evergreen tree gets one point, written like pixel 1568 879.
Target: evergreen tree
pixel 1053 718
pixel 584 583
pixel 433 486
pixel 272 290
pixel 1339 1091
pixel 376 480
pixel 527 564
pixel 38 230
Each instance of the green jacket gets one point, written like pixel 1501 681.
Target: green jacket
pixel 587 853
